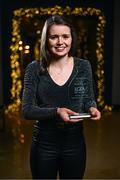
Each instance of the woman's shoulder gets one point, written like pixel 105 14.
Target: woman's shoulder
pixel 33 64
pixel 81 62
pixel 33 67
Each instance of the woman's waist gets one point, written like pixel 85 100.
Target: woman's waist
pixel 58 125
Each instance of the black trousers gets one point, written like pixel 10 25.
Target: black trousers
pixel 58 151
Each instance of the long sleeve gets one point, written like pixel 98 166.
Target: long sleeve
pixel 90 100
pixel 30 108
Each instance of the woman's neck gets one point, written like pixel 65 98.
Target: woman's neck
pixel 61 62
pixel 61 70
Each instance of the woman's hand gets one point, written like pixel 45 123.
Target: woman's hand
pixel 95 113
pixel 65 113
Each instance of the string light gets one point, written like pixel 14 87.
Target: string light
pixel 17 47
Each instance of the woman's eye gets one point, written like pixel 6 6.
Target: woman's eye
pixel 52 37
pixel 65 36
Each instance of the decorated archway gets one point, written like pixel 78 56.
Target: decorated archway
pixel 20 49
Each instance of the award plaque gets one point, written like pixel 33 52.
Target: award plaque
pixel 77 92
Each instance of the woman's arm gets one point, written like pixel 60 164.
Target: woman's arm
pixel 30 108
pixel 90 99
pixel 90 103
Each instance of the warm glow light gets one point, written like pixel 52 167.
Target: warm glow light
pixel 27 47
pixel 26 51
pixel 20 48
pixel 17 44
pixel 20 42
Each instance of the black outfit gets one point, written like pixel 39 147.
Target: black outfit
pixel 57 146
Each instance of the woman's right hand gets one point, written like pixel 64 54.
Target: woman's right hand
pixel 65 113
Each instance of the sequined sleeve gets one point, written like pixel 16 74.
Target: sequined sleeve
pixel 90 100
pixel 30 108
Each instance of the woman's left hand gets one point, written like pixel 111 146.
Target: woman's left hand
pixel 95 113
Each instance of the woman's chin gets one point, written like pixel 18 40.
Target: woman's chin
pixel 59 55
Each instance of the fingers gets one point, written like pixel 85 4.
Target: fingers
pixel 95 113
pixel 65 113
pixel 70 112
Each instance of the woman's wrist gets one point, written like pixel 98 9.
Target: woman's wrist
pixel 58 110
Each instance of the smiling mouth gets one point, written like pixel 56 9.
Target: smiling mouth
pixel 60 48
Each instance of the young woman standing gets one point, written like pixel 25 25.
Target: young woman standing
pixel 55 87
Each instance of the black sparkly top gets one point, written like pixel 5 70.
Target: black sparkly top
pixel 41 95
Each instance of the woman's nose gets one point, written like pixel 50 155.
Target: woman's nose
pixel 60 40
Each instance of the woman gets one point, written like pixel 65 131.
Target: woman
pixel 57 86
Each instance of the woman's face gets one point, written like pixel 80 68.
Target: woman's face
pixel 59 40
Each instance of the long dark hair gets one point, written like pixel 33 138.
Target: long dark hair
pixel 45 56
